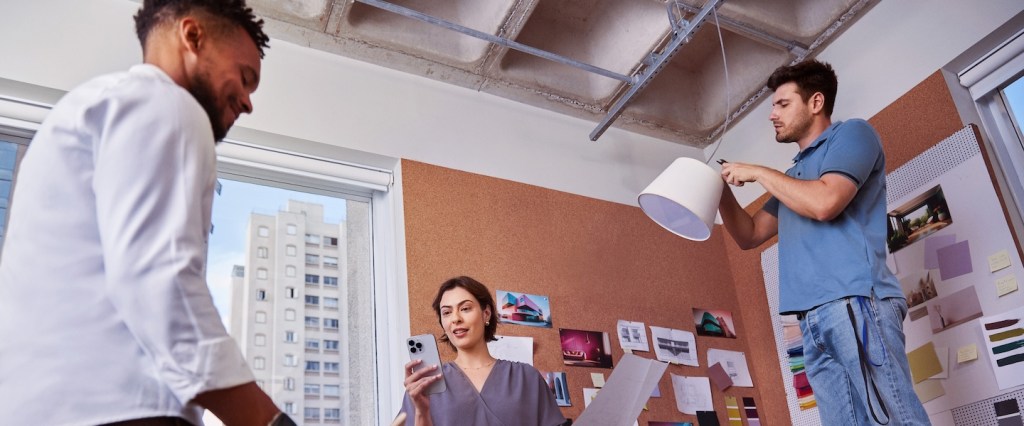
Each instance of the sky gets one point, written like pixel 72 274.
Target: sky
pixel 231 210
pixel 1015 97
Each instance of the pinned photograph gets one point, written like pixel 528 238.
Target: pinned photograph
pixel 917 219
pixel 523 309
pixel 632 335
pixel 714 323
pixel 585 348
pixel 559 387
pixel 676 346
pixel 955 309
pixel 918 287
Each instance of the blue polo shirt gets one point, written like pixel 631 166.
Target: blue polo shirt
pixel 824 261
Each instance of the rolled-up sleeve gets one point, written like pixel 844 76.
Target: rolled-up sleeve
pixel 155 168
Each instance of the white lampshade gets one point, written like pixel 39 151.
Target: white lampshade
pixel 684 198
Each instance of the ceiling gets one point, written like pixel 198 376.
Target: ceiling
pixel 685 102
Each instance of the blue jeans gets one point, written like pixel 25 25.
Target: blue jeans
pixel 834 367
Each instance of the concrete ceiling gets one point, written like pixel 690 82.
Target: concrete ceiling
pixel 685 103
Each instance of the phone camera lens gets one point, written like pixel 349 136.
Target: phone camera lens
pixel 419 345
pixel 413 350
pixel 412 342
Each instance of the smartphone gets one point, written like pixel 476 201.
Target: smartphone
pixel 424 347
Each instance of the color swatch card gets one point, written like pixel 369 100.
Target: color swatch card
pixel 1004 344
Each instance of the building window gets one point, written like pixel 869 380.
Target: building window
pixel 290 250
pixel 289 271
pixel 289 314
pixel 263 231
pixel 312 239
pixel 261 295
pixel 313 366
pixel 312 300
pixel 330 262
pixel 290 292
pixel 261 273
pixel 330 242
pixel 290 337
pixel 331 281
pixel 289 383
pixel 312 259
pixel 311 389
pixel 330 345
pixel 311 413
pixel 331 302
pixel 289 407
pixel 331 323
pixel 290 361
pixel 332 413
pixel 313 344
pixel 332 390
pixel 259 363
pixel 260 340
pixel 312 279
pixel 261 317
pixel 332 367
pixel 291 229
pixel 312 321
pixel 262 252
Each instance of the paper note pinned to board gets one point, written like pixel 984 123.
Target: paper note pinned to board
pixel 967 353
pixel 598 379
pixel 998 261
pixel 1006 285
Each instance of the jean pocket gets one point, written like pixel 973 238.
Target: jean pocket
pixel 899 309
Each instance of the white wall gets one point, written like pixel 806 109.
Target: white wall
pixel 321 97
pixel 891 49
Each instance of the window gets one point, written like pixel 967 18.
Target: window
pixel 290 250
pixel 312 300
pixel 312 344
pixel 290 337
pixel 290 360
pixel 289 314
pixel 331 302
pixel 311 389
pixel 261 295
pixel 263 231
pixel 8 169
pixel 290 292
pixel 261 317
pixel 262 252
pixel 291 229
pixel 289 407
pixel 261 273
pixel 312 239
pixel 289 383
pixel 330 262
pixel 259 363
pixel 330 242
pixel 289 271
pixel 312 259
pixel 312 279
pixel 260 340
pixel 331 281
pixel 332 390
pixel 313 366
pixel 330 323
pixel 330 345
pixel 332 367
pixel 332 413
pixel 311 413
pixel 312 322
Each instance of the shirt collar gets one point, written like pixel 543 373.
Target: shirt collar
pixel 151 70
pixel 821 138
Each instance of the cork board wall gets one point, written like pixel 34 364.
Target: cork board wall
pixel 597 261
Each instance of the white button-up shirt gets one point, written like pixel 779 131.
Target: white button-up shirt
pixel 104 310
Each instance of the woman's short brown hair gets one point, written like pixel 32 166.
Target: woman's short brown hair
pixel 482 295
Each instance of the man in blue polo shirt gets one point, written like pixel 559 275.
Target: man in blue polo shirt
pixel 829 212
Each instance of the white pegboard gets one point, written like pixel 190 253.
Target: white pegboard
pixel 932 163
pixel 770 266
pixel 983 413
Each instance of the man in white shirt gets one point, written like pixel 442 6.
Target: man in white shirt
pixel 105 316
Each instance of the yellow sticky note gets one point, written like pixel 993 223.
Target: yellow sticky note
pixel 998 261
pixel 924 362
pixel 1005 285
pixel 967 353
pixel 598 379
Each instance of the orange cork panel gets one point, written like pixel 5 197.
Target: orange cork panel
pixel 916 121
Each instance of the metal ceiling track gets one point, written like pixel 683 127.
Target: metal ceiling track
pixel 683 31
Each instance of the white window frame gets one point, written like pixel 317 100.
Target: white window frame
pixel 290 271
pixel 261 317
pixel 290 250
pixel 263 231
pixel 289 314
pixel 291 229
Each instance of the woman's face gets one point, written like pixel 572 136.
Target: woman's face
pixel 463 318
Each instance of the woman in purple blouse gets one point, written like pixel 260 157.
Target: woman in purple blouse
pixel 481 390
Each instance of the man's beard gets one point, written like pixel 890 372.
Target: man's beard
pixel 797 131
pixel 202 90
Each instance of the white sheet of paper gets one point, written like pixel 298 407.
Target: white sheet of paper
pixel 1012 374
pixel 624 393
pixel 693 394
pixel 735 363
pixel 598 379
pixel 632 336
pixel 676 346
pixel 512 348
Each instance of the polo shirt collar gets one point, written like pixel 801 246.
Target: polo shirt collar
pixel 821 138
